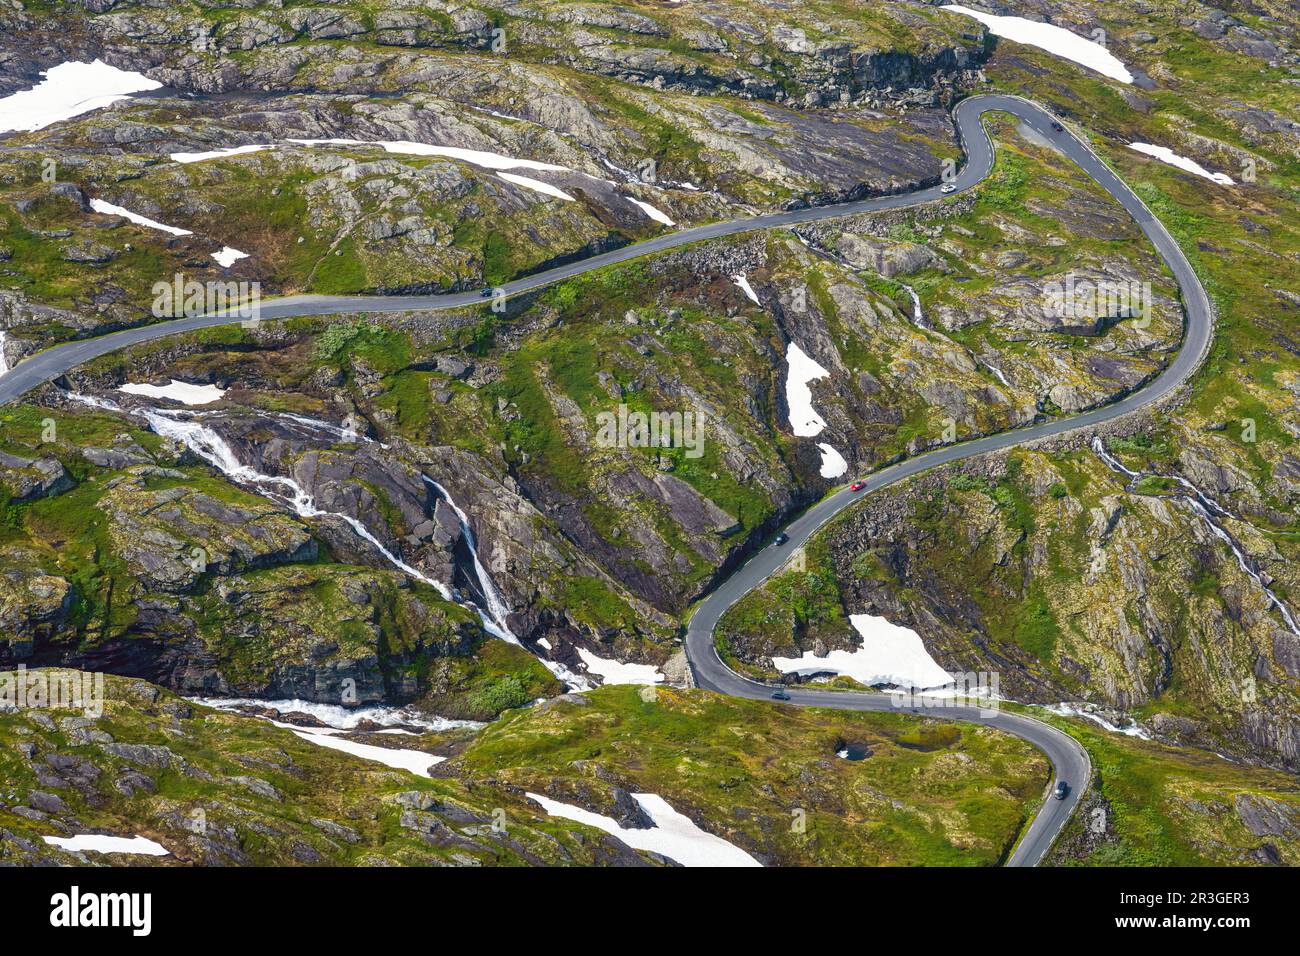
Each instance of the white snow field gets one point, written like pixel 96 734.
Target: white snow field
pixel 743 281
pixel 536 185
pixel 657 215
pixel 228 256
pixel 1167 155
pixel 68 90
pixel 804 421
pixel 99 843
pixel 108 209
pixel 183 392
pixel 890 654
pixel 674 835
pixel 833 463
pixel 1055 40
pixel 616 672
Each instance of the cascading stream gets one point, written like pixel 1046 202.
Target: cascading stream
pixel 1209 511
pixel 212 448
pixel 496 606
pixel 495 614
pixel 918 316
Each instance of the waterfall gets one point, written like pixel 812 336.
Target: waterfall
pixel 997 372
pixel 1243 562
pixel 497 608
pixel 329 428
pixel 211 447
pixel 1110 461
pixel 917 315
pixel 94 401
pixel 214 449
pixel 495 614
pixel 1209 511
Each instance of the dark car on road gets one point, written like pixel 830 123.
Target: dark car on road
pixel 780 695
pixel 486 293
pixel 781 538
pixel 1058 127
pixel 1062 790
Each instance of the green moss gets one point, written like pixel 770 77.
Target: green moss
pixel 592 600
pixel 498 676
pixel 1167 806
pixel 1033 626
pixel 325 807
pixel 929 793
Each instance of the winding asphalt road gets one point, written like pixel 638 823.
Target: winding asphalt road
pixel 1068 758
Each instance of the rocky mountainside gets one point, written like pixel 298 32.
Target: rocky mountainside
pixel 432 509
pixel 601 545
pixel 217 789
pixel 1150 575
pixel 822 52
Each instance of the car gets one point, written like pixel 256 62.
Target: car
pixel 857 486
pixel 1058 127
pixel 780 695
pixel 1062 790
pixel 948 188
pixel 487 293
pixel 781 538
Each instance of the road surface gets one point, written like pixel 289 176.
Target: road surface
pixel 1069 760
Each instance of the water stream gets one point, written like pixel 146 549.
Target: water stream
pixel 212 448
pixel 1210 512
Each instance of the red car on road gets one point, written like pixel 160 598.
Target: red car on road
pixel 857 486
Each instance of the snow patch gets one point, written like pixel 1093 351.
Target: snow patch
pixel 183 392
pixel 656 214
pixel 890 654
pixel 1167 155
pixel 227 257
pixel 217 153
pixel 804 422
pixel 616 672
pixel 415 761
pixel 674 835
pixel 536 185
pixel 405 147
pixel 108 209
pixel 1055 40
pixel 68 90
pixel 833 463
pixel 99 843
pixel 743 281
pixel 4 362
